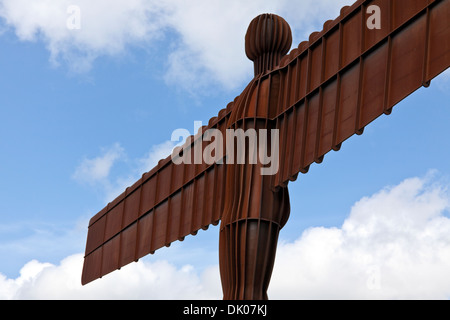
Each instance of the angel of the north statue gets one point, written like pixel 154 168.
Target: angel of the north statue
pixel 301 105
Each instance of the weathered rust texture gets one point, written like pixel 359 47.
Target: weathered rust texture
pixel 348 75
pixel 254 213
pixel 168 203
pixel 320 94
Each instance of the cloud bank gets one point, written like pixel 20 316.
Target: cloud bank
pixel 394 244
pixel 205 39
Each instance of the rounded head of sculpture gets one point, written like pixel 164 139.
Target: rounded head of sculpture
pixel 268 39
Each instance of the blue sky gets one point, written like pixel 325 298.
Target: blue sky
pixel 83 115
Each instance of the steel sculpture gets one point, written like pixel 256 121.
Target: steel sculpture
pixel 317 96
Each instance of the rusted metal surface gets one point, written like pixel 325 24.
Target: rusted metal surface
pixel 168 203
pixel 318 95
pixel 254 213
pixel 348 75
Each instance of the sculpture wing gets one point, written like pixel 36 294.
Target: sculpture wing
pixel 348 75
pixel 166 204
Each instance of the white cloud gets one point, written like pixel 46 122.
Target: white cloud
pixel 156 153
pixel 97 169
pixel 209 44
pixel 113 188
pixel 142 280
pixel 394 244
pixel 96 172
pixel 107 27
pixel 33 238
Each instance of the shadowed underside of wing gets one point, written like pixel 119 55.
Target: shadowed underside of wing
pixel 348 75
pixel 168 203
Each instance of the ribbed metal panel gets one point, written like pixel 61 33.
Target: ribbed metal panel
pixel 166 204
pixel 361 75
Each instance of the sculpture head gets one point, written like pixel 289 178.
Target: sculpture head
pixel 267 40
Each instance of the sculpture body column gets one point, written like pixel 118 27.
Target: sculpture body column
pixel 254 213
